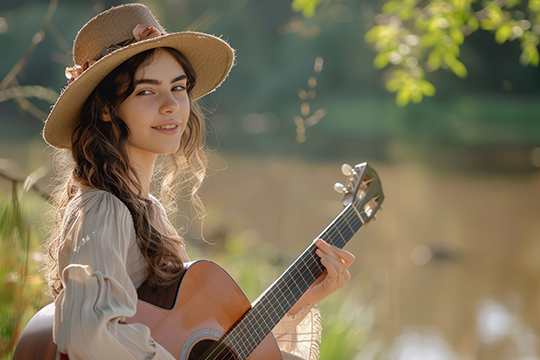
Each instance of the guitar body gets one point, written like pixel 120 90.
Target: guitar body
pixel 208 303
pixel 36 341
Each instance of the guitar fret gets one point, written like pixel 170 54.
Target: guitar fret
pixel 241 346
pixel 304 279
pixel 238 345
pixel 280 298
pixel 238 341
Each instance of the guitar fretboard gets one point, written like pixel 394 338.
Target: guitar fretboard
pixel 279 298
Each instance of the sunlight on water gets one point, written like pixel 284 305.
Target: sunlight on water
pixel 493 321
pixel 421 343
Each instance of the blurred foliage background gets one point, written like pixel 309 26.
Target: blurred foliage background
pixel 451 268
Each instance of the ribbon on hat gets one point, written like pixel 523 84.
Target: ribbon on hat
pixel 140 32
pixel 143 32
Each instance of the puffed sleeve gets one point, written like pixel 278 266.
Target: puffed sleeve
pixel 299 336
pixel 98 294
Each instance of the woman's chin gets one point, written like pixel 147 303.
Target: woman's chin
pixel 170 150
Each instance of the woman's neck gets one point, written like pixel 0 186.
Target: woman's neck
pixel 142 164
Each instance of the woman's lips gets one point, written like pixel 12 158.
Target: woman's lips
pixel 167 129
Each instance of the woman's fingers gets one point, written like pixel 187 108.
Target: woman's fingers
pixel 343 256
pixel 336 261
pixel 337 274
pixel 332 272
pixel 331 262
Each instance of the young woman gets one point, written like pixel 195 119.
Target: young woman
pixel 130 97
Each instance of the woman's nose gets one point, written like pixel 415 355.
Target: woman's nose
pixel 169 105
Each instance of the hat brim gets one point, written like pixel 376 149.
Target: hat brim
pixel 210 57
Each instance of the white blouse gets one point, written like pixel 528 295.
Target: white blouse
pixel 101 267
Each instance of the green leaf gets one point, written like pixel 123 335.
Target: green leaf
pixel 307 7
pixel 487 24
pixel 524 58
pixel 432 38
pixel 534 57
pixel 461 5
pixel 449 59
pixel 459 69
pixel 434 59
pixel 473 23
pixel 372 35
pixel 453 49
pixel 406 14
pixel 416 96
pixel 457 35
pixel 390 7
pixel 511 3
pixel 403 97
pixel 529 55
pixel 534 5
pixel 426 87
pixel 381 60
pixel 503 33
pixel 382 33
pixel 494 13
pixel 394 84
pixel 434 23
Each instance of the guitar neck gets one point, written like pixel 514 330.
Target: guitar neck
pixel 280 297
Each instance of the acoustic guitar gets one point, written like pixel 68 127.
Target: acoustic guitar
pixel 206 315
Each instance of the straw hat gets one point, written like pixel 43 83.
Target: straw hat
pixel 96 53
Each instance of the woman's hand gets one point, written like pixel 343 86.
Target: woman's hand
pixel 336 262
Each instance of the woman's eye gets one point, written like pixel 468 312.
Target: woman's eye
pixel 178 88
pixel 144 92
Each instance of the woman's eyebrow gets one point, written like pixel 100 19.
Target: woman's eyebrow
pixel 157 82
pixel 181 77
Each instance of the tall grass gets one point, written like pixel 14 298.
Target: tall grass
pixel 21 287
pixel 14 250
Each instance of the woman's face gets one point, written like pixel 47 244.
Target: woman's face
pixel 157 111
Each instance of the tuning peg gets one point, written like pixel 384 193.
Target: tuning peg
pixel 339 187
pixel 346 169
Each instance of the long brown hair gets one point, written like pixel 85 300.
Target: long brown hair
pixel 99 159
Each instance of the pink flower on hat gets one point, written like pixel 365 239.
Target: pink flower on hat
pixel 73 72
pixel 143 32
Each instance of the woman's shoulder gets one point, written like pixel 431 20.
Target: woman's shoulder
pixel 90 199
pixel 96 202
pixel 99 204
pixel 97 214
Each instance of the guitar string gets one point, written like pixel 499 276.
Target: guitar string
pixel 285 279
pixel 241 346
pixel 340 223
pixel 343 222
pixel 312 256
pixel 337 228
pixel 307 267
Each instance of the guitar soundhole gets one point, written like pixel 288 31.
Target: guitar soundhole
pixel 211 350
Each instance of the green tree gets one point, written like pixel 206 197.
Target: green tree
pixel 414 37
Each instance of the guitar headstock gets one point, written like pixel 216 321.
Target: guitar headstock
pixel 362 189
